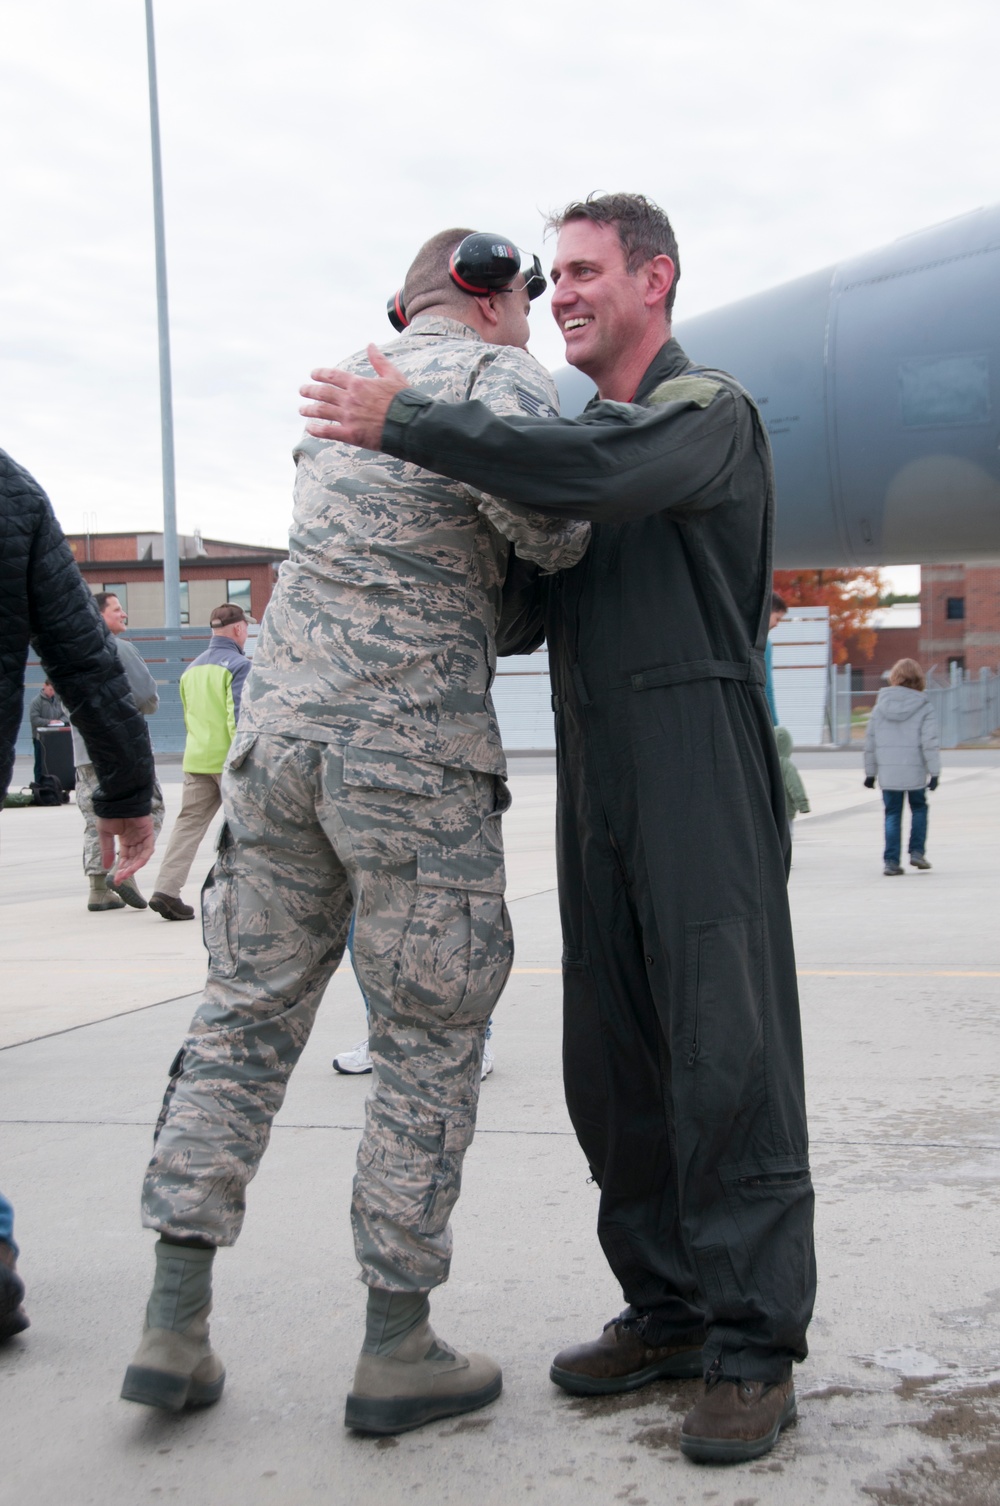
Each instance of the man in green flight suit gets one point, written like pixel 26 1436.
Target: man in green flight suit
pixel 682 1042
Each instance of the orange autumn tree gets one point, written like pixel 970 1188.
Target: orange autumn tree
pixel 851 595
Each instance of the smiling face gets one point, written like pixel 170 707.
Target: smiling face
pixel 115 616
pixel 612 320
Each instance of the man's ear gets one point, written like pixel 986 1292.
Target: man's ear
pixel 488 309
pixel 660 274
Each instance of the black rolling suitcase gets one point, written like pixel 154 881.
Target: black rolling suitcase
pixel 57 755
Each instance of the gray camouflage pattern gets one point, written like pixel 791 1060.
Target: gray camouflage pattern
pixel 86 784
pixel 312 831
pixel 381 628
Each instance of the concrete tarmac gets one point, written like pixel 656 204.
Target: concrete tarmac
pixel 899 1400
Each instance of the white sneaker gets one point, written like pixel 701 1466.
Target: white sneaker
pixel 487 1062
pixel 354 1061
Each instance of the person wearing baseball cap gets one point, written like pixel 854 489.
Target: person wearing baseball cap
pixel 210 695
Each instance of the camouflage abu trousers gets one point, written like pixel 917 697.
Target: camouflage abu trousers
pixel 86 783
pixel 314 832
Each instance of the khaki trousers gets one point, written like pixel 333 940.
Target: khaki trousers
pixel 199 802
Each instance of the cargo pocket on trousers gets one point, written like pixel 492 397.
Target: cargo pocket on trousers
pixel 414 1188
pixel 220 926
pixel 220 916
pixel 458 947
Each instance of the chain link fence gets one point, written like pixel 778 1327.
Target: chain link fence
pixel 967 706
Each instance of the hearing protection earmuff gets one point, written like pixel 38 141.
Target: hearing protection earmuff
pixel 482 264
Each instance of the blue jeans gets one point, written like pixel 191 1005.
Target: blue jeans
pixel 893 802
pixel 7 1223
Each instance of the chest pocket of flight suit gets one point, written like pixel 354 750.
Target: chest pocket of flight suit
pixel 458 946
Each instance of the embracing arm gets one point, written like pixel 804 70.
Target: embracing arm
pixel 619 462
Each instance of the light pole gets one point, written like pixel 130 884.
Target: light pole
pixel 171 563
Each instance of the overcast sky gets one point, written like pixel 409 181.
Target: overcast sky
pixel 307 155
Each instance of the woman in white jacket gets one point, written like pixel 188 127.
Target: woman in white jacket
pixel 902 748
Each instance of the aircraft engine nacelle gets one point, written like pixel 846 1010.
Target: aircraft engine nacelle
pixel 879 382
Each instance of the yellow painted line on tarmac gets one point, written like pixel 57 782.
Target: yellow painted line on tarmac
pixel 841 972
pixel 927 972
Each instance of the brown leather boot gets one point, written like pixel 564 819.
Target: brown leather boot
pixel 621 1360
pixel 737 1420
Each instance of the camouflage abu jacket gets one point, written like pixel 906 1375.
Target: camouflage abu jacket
pixel 380 632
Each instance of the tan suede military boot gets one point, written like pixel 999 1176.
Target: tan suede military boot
pixel 101 897
pixel 175 1370
pixel 127 890
pixel 175 1365
pixel 737 1420
pixel 421 1380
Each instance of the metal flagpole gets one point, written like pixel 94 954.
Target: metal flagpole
pixel 171 563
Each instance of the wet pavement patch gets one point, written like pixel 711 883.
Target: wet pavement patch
pixel 677 1396
pixel 968 1423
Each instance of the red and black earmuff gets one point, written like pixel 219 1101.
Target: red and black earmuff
pixel 482 264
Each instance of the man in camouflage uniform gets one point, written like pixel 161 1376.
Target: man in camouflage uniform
pixel 367 775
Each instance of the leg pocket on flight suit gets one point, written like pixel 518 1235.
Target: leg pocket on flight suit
pixel 723 1040
pixel 458 947
pixel 771 1205
pixel 220 919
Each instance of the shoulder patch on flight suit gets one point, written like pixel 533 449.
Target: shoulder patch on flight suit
pixel 685 389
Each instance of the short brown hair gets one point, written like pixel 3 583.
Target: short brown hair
pixel 226 615
pixel 907 672
pixel 427 282
pixel 778 603
pixel 643 229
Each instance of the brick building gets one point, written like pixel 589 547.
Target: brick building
pixel 212 571
pixel 897 636
pixel 960 617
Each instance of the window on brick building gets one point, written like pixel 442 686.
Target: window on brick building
pixel 238 592
pixel 185 603
pixel 954 608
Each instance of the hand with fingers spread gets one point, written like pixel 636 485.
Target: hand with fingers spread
pixel 136 840
pixel 348 408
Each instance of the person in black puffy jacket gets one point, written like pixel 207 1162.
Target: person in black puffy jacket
pixel 45 601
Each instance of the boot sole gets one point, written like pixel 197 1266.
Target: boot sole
pixel 680 1367
pixel 125 895
pixel 119 906
pixel 171 1393
pixel 737 1450
pixel 399 1414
